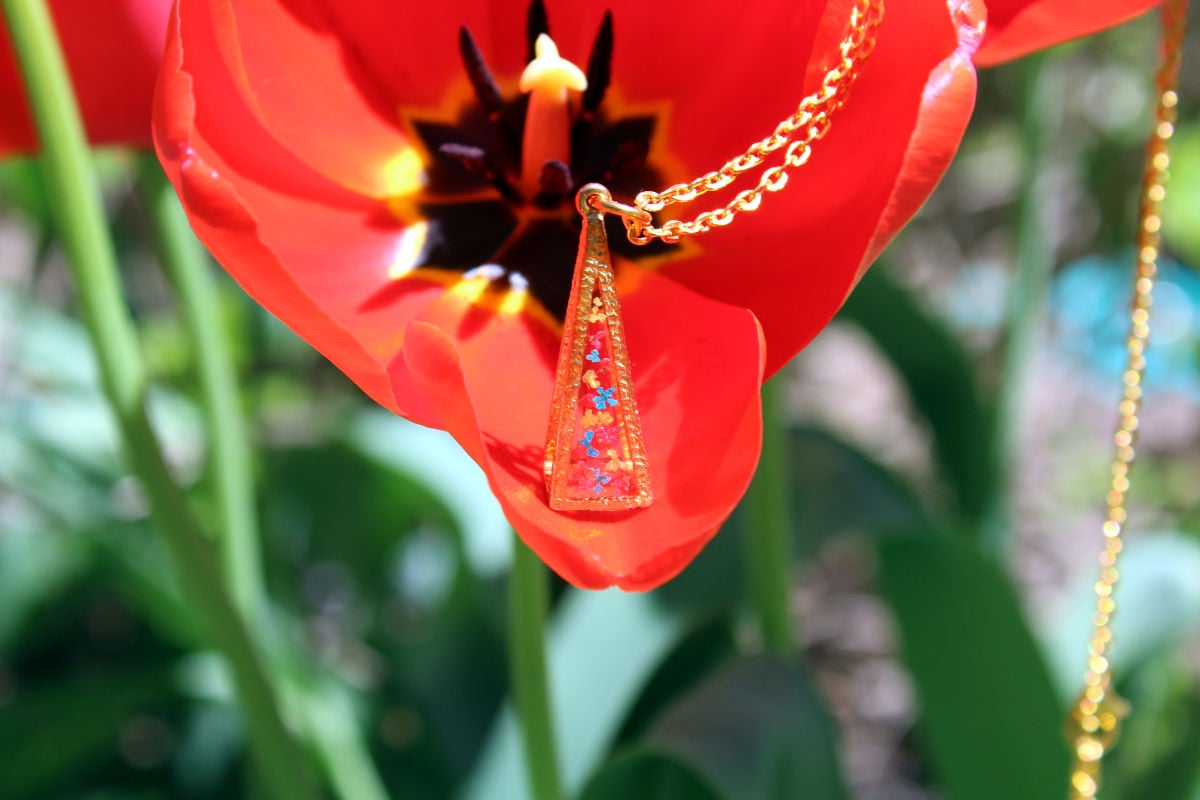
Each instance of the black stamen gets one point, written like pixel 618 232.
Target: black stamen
pixel 599 71
pixel 476 161
pixel 481 77
pixel 536 24
pixel 555 183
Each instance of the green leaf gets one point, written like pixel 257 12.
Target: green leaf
pixel 758 730
pixel 54 734
pixel 837 487
pixel 330 504
pixel 141 573
pixel 648 775
pixel 22 187
pixel 991 722
pixel 384 550
pixel 208 748
pixel 1159 753
pixel 940 381
pixel 1181 215
pixel 35 566
pixel 704 649
pixel 1177 775
pixel 439 463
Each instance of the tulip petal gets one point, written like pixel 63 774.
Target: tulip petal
pixel 945 110
pixel 319 258
pixel 312 95
pixel 412 48
pixel 215 107
pixel 1017 28
pixel 697 369
pixel 794 261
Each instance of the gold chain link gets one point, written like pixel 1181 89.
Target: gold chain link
pixel 811 120
pixel 1096 717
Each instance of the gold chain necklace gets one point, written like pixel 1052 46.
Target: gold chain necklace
pixel 1096 717
pixel 595 457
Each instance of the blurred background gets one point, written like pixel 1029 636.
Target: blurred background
pixel 942 600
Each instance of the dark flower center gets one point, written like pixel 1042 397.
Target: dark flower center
pixel 478 212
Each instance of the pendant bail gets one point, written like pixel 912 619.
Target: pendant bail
pixel 596 197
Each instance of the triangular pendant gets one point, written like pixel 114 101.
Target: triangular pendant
pixel 595 459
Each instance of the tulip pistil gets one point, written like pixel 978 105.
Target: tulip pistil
pixel 549 80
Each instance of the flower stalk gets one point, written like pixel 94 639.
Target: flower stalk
pixel 186 267
pixel 76 206
pixel 768 538
pixel 528 603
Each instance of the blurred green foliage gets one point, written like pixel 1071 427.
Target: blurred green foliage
pixel 387 557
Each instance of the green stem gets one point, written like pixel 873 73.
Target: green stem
pixel 528 600
pixel 1027 299
pixel 188 270
pixel 768 539
pixel 75 203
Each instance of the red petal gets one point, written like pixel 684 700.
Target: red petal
pixel 1018 27
pixel 794 261
pixel 411 47
pixel 113 49
pixel 317 256
pixel 215 107
pixel 697 370
pixel 945 110
pixel 308 90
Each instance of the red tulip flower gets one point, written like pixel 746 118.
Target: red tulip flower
pixel 357 167
pixel 1019 27
pixel 113 50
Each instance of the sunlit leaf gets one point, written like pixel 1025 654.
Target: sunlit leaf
pixel 1181 216
pixel 990 721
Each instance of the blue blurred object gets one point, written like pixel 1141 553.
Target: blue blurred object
pixel 1089 313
